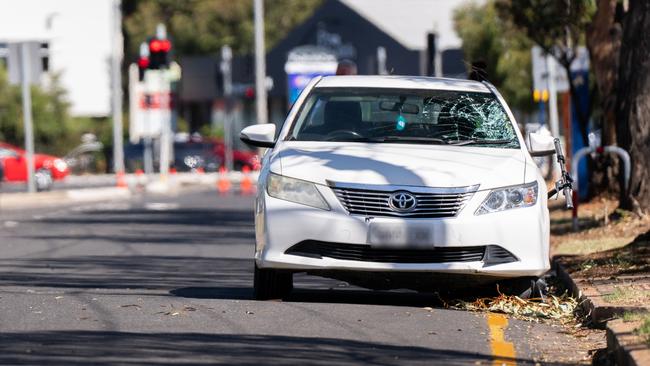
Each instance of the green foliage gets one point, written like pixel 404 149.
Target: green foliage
pixel 202 27
pixel 207 131
pixel 55 131
pixel 487 37
pixel 557 26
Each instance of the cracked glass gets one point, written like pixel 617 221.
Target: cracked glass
pixel 398 116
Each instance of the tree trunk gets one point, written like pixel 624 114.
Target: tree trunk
pixel 633 103
pixel 604 42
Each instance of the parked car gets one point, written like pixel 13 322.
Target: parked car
pixel 241 157
pixel 191 156
pixel 390 182
pixel 47 167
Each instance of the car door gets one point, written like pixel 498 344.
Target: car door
pixel 15 166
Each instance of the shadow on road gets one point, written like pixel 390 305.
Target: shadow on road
pixel 134 272
pixel 181 217
pixel 107 348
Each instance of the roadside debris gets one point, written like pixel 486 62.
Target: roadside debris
pixel 552 307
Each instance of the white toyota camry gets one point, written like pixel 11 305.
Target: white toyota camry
pixel 389 181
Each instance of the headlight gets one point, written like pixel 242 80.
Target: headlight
pixel 60 165
pixel 510 197
pixel 295 190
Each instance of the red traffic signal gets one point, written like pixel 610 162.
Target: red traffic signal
pixel 160 45
pixel 143 62
pixel 159 53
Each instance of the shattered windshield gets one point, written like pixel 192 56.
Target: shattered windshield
pixel 395 116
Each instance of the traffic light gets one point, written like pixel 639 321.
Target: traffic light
pixel 159 53
pixel 154 54
pixel 143 60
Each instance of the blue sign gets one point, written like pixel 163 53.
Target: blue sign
pixel 298 82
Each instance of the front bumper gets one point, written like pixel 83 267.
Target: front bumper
pixel 524 232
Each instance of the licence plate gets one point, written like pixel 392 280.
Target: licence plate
pixel 383 235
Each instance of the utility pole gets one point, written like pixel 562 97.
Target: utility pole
pixel 147 153
pixel 260 64
pixel 552 97
pixel 116 83
pixel 27 115
pixel 553 119
pixel 166 124
pixel 226 72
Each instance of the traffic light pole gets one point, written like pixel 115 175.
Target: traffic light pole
pixel 226 71
pixel 116 83
pixel 27 116
pixel 260 64
pixel 165 134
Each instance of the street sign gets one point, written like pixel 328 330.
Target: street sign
pixel 303 64
pixel 14 62
pixel 151 103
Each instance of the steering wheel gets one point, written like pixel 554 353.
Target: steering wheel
pixel 342 133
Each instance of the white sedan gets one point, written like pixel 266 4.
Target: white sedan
pixel 389 181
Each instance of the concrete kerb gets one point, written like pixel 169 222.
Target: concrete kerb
pixel 153 184
pixel 591 300
pixel 622 344
pixel 626 347
pixel 53 198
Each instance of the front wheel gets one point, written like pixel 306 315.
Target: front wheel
pixel 525 288
pixel 271 284
pixel 43 179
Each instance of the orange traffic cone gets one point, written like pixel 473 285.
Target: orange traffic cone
pixel 223 183
pixel 121 180
pixel 246 185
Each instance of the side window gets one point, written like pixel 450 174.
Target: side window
pixel 6 153
pixel 316 116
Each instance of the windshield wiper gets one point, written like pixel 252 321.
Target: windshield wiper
pixel 355 139
pixel 481 142
pixel 413 139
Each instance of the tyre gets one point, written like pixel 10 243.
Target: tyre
pixel 525 288
pixel 271 284
pixel 43 180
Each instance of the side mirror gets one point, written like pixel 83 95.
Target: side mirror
pixel 259 135
pixel 541 145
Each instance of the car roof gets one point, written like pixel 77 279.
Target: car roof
pixel 401 82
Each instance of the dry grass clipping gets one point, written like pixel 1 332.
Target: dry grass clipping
pixel 552 307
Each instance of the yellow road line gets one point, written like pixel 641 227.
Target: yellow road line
pixel 503 352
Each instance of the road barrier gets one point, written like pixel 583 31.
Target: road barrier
pixel 580 154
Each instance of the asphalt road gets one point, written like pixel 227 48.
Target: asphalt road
pixel 167 280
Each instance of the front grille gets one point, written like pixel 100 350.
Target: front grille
pixel 370 202
pixel 366 253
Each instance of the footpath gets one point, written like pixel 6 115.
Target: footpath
pixel 606 265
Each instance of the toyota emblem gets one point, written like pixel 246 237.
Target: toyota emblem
pixel 402 201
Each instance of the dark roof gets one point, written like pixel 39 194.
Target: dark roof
pixel 336 19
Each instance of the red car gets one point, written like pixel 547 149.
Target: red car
pixel 13 163
pixel 241 158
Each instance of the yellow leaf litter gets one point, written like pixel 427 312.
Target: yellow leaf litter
pixel 552 307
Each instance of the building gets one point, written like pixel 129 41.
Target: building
pixel 406 37
pixel 76 43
